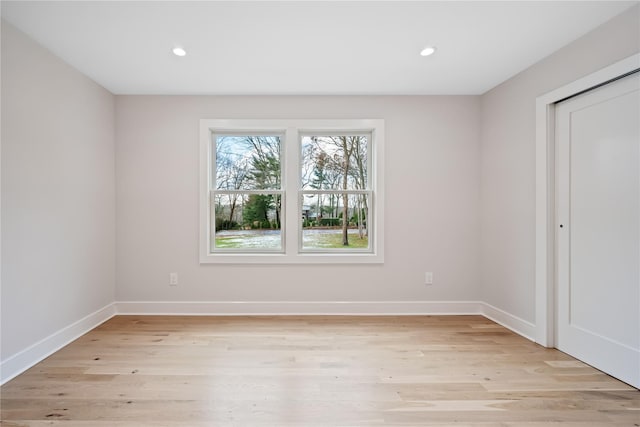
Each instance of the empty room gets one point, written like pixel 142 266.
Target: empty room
pixel 320 213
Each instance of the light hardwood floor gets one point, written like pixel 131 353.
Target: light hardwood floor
pixel 313 371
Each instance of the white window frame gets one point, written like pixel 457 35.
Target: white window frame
pixel 293 129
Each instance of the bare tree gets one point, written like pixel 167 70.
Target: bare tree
pixel 360 157
pixel 346 144
pixel 231 174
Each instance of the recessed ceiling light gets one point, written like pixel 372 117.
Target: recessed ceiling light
pixel 178 51
pixel 429 50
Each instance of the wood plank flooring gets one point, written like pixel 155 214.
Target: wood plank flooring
pixel 312 371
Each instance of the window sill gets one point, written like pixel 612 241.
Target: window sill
pixel 302 258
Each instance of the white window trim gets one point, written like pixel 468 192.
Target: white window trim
pixel 291 200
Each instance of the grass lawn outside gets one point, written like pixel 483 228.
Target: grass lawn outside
pixel 270 239
pixel 333 240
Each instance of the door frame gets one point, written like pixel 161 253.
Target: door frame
pixel 545 263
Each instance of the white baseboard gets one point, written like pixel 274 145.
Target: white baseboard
pixel 23 360
pixel 509 321
pixel 351 308
pixel 357 308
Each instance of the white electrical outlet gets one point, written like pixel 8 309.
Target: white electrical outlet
pixel 428 278
pixel 173 279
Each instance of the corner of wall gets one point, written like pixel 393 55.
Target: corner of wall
pixel 23 360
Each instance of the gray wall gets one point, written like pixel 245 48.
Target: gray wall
pixel 431 212
pixel 507 159
pixel 58 194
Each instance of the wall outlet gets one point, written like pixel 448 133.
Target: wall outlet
pixel 173 279
pixel 428 278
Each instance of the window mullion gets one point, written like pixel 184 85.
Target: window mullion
pixel 370 156
pixel 291 183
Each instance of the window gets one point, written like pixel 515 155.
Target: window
pixel 246 211
pixel 335 192
pixel 291 191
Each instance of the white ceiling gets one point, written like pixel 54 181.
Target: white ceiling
pixel 305 47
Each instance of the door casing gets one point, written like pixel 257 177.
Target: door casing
pixel 545 263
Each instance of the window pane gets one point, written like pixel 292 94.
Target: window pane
pixel 248 162
pixel 247 221
pixel 334 162
pixel 323 224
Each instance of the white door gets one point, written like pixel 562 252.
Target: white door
pixel 598 234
